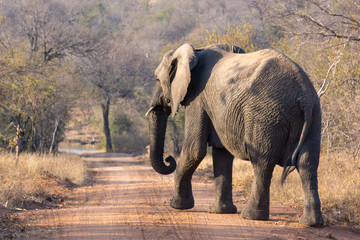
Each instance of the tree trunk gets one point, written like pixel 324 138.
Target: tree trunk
pixel 35 140
pixel 105 111
pixel 18 142
pixel 18 137
pixel 53 142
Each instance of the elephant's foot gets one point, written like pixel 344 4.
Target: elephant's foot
pixel 223 207
pixel 178 202
pixel 311 217
pixel 254 214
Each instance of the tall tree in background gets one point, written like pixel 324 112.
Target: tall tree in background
pixel 112 72
pixel 99 72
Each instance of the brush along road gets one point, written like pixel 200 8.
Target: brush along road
pixel 128 200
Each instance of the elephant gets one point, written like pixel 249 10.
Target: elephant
pixel 259 106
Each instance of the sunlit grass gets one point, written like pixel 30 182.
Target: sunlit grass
pixel 20 179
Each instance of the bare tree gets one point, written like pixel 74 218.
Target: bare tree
pixel 112 72
pixel 324 38
pixel 325 19
pixel 51 29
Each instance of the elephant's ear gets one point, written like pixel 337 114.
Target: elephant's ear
pixel 184 60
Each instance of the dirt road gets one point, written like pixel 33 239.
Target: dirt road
pixel 128 200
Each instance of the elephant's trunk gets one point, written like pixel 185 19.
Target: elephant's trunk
pixel 158 121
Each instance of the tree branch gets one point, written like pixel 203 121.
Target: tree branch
pixel 326 83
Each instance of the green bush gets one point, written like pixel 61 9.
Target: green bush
pixel 130 143
pixel 128 132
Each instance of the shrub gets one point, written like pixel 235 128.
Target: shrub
pixel 19 177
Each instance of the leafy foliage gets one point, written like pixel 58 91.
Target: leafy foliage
pixel 30 103
pixel 242 36
pixel 121 124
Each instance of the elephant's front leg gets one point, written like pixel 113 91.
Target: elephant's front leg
pixel 223 162
pixel 193 152
pixel 183 196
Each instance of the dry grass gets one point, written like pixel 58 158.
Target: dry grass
pixel 339 186
pixel 22 180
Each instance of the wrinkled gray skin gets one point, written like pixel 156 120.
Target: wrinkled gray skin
pixel 258 106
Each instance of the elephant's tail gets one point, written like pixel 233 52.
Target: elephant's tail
pixel 291 163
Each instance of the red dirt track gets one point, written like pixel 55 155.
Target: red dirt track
pixel 128 200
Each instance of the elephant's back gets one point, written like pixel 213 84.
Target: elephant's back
pixel 262 80
pixel 266 79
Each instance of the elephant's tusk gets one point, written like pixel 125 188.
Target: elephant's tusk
pixel 149 111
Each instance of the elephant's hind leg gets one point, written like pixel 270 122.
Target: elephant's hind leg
pixel 307 167
pixel 223 162
pixel 258 205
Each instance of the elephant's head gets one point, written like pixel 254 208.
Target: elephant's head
pixel 173 77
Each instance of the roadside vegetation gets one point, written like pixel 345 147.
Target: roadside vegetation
pixel 33 178
pixel 34 181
